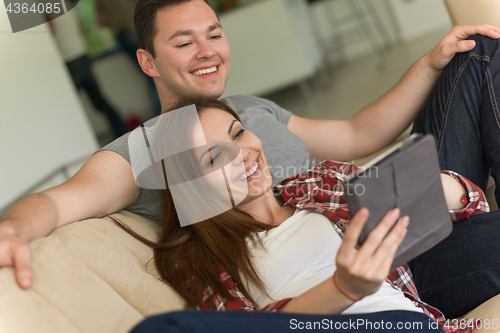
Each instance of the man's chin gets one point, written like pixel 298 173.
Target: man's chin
pixel 209 92
pixel 215 94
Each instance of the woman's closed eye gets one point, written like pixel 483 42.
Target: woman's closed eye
pixel 216 158
pixel 239 134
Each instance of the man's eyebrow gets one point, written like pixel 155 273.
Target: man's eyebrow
pixel 207 151
pixel 181 33
pixel 190 32
pixel 214 26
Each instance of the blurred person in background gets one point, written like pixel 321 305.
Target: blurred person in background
pixel 70 41
pixel 118 15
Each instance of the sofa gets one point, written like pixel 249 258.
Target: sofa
pixel 91 276
pixel 464 12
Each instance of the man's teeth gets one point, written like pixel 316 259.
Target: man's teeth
pixel 205 71
pixel 251 171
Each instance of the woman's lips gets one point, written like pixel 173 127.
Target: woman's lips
pixel 253 171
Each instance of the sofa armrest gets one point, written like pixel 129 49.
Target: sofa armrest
pixel 464 12
pixel 489 312
pixel 89 276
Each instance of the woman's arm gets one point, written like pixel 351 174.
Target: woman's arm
pixel 453 192
pixel 474 200
pixel 360 270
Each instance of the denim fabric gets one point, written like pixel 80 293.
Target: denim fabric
pixel 82 77
pixel 129 44
pixel 462 113
pixel 265 322
pixel 463 271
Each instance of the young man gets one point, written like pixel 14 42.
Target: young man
pixel 186 52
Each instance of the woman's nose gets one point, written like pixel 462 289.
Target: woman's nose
pixel 242 156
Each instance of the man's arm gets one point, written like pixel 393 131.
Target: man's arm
pixel 104 185
pixel 381 122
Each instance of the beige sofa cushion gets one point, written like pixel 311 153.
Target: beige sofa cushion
pixel 89 276
pixel 92 276
pixel 463 12
pixel 489 312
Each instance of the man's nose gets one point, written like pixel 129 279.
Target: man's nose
pixel 205 50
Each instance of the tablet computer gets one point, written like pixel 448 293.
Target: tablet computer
pixel 406 177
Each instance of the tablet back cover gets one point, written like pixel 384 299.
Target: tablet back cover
pixel 408 180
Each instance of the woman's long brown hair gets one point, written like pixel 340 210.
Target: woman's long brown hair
pixel 189 258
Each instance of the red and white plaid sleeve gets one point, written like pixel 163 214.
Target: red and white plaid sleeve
pixel 240 302
pixel 474 200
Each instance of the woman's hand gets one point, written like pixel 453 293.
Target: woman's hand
pixel 361 270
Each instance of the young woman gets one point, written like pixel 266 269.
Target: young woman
pixel 280 248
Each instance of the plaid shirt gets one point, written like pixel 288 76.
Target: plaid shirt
pixel 318 190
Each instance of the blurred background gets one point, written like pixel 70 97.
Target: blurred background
pixel 323 59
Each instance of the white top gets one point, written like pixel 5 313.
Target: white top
pixel 299 254
pixel 67 33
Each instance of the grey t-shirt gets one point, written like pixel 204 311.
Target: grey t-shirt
pixel 286 154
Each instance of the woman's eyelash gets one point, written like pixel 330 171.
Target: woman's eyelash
pixel 183 45
pixel 214 159
pixel 240 133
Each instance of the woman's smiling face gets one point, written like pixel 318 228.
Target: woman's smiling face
pixel 234 149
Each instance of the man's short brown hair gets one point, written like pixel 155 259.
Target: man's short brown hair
pixel 145 20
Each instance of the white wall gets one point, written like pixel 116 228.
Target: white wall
pixel 323 14
pixel 419 17
pixel 272 46
pixel 402 20
pixel 42 123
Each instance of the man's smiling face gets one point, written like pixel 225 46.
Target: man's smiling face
pixel 192 52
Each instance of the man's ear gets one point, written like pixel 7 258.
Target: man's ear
pixel 146 62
